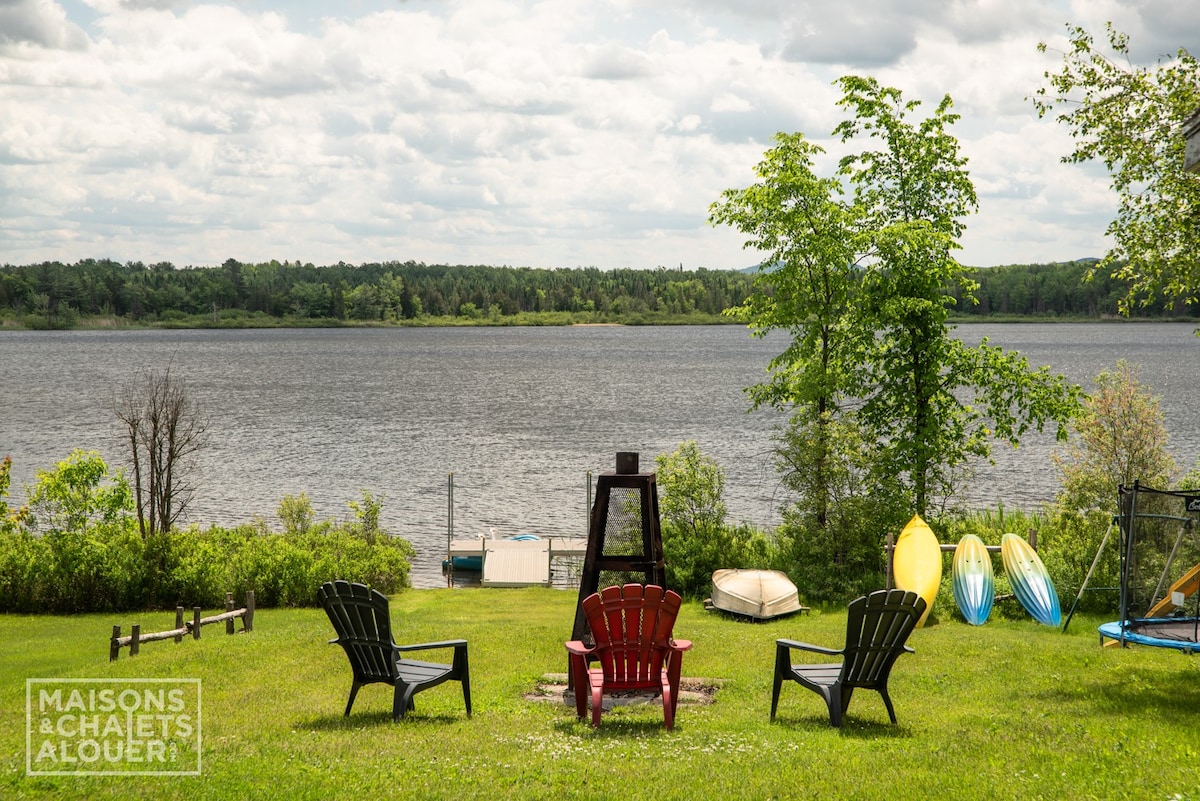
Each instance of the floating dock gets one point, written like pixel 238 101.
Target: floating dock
pixel 517 563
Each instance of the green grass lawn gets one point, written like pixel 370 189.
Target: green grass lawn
pixel 1008 710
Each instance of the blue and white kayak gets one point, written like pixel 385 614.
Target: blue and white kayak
pixel 1029 580
pixel 974 582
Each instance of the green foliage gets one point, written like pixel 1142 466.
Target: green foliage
pixel 930 403
pixel 94 292
pixel 10 520
pixel 76 546
pixel 693 486
pixel 863 286
pixel 1131 118
pixel 696 538
pixel 53 294
pixel 807 239
pixel 286 568
pixel 26 572
pixel 1066 291
pixel 831 540
pixel 200 564
pixel 835 563
pixel 77 494
pixel 1068 545
pixel 296 513
pixel 366 517
pixel 78 549
pixel 1120 438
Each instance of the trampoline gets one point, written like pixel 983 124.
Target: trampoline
pixel 1160 569
pixel 1159 632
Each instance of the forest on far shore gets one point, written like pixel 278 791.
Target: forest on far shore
pixel 56 295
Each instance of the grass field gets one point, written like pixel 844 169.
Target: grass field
pixel 1011 710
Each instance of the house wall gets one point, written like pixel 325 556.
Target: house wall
pixel 1191 131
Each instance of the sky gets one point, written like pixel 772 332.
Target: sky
pixel 565 133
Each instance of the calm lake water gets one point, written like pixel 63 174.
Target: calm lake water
pixel 518 415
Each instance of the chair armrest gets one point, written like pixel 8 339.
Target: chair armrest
pixel 578 648
pixel 804 646
pixel 681 645
pixel 908 649
pixel 425 646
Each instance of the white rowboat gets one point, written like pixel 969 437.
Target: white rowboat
pixel 760 594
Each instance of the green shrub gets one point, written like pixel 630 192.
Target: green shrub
pixel 1068 544
pixel 78 549
pixel 277 569
pixel 200 565
pixel 1120 438
pixel 691 559
pixel 339 554
pixel 838 561
pixel 696 538
pixel 25 572
pixel 99 569
pixel 831 541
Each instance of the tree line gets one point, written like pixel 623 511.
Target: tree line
pixel 1068 289
pixel 391 291
pixel 56 295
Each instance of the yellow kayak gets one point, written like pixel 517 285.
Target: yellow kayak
pixel 917 562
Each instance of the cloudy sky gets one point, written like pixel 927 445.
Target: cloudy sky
pixel 562 133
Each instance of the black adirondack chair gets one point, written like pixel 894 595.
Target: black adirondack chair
pixel 876 630
pixel 360 617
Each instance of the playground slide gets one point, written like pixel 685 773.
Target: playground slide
pixel 1186 585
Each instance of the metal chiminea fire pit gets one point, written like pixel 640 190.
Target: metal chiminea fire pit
pixel 624 539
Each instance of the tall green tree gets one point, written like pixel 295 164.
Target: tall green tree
pixel 807 237
pixel 1130 118
pixel 864 285
pixel 928 400
pixel 913 189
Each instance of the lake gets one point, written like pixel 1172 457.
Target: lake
pixel 519 416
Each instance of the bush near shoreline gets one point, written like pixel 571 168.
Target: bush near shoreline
pixel 79 550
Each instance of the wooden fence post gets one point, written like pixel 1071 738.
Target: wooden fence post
pixel 888 558
pixel 248 618
pixel 134 640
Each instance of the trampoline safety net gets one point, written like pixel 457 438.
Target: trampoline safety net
pixel 1160 568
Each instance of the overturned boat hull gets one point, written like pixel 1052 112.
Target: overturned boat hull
pixel 760 594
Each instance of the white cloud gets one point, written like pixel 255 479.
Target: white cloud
pixel 38 23
pixel 548 133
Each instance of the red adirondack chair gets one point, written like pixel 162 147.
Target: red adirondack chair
pixel 631 626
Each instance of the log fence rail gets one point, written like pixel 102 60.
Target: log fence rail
pixel 182 628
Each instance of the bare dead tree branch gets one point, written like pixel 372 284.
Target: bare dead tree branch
pixel 164 429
